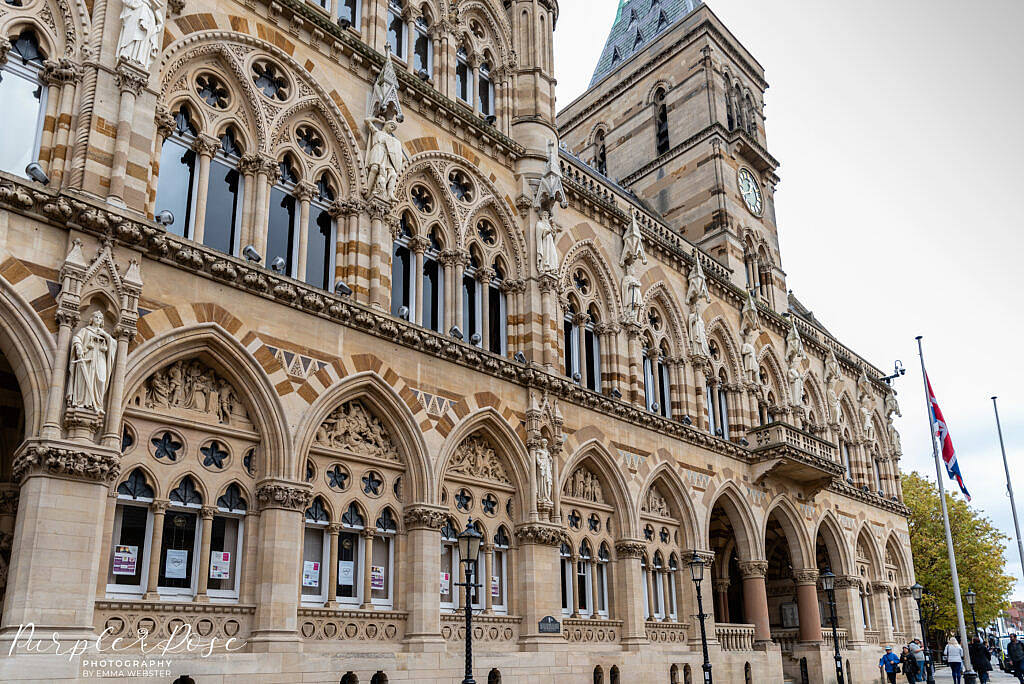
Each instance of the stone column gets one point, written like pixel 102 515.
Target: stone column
pixel 807 604
pixel 595 587
pixel 304 192
pixel 848 607
pixel 649 583
pixel 668 595
pixel 67 317
pixel 156 541
pixel 581 346
pixel 422 568
pixel 485 579
pixel 248 166
pixel 267 175
pixel 368 535
pixel 410 14
pixel 460 270
pixel 755 598
pixel 63 74
pixel 722 592
pixel 573 580
pixel 278 570
pixel 125 333
pixel 205 147
pixel 681 576
pixel 418 245
pixel 131 79
pixel 547 283
pixel 629 596
pixel 537 556
pixel 334 529
pixel 448 294
pixel 700 416
pixel 204 554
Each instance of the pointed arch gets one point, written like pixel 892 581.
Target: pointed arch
pixel 741 518
pixel 659 294
pixel 800 550
pixel 387 405
pixel 776 377
pixel 238 365
pixel 831 533
pixel 589 254
pixel 596 453
pixel 897 551
pixel 676 489
pixel 496 210
pixel 341 155
pixel 719 329
pixel 29 349
pixel 867 542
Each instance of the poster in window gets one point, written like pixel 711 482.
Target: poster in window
pixel 377 577
pixel 790 615
pixel 311 573
pixel 126 559
pixel 220 565
pixel 176 564
pixel 446 583
pixel 346 573
pixel 495 588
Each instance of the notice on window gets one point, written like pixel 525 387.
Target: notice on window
pixel 346 573
pixel 126 559
pixel 311 573
pixel 220 565
pixel 446 583
pixel 176 564
pixel 495 587
pixel 377 577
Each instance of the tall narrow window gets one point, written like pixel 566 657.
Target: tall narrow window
pixel 449 566
pixel 649 395
pixel 661 121
pixel 485 88
pixel 315 549
pixel 423 57
pixel 224 197
pixel 497 316
pixel 226 544
pixel 844 446
pixel 592 350
pixel 129 547
pixel 670 600
pixel 471 301
pixel 350 554
pixel 462 76
pixel 664 385
pixel 567 577
pixel 433 284
pixel 603 557
pixel 709 405
pixel 723 408
pixel 602 154
pixel 583 579
pixel 396 29
pixel 176 187
pixel 180 541
pixel 24 103
pixel 283 220
pixel 382 560
pixel 348 11
pixel 570 343
pixel 402 266
pixel 499 578
pixel 878 476
pixel 320 237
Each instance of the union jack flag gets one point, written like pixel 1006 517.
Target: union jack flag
pixel 941 432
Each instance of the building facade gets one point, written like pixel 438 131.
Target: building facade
pixel 293 293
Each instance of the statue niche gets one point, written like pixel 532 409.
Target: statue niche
pixel 476 458
pixel 656 504
pixel 355 429
pixel 192 386
pixel 584 485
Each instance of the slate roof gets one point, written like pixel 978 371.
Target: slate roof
pixel 637 24
pixel 797 307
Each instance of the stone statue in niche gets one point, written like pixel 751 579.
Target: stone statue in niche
pixel 476 458
pixel 194 386
pixel 542 457
pixel 631 296
pixel 796 385
pixel 142 27
pixel 697 299
pixel 833 376
pixel 547 253
pixel 867 424
pixel 584 485
pixel 92 362
pixel 655 503
pixel 383 159
pixel 633 245
pixel 353 428
pixel 892 409
pixel 748 355
pixel 794 345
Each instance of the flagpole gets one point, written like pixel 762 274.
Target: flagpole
pixel 968 670
pixel 1009 487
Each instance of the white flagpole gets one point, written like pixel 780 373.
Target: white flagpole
pixel 945 517
pixel 1009 487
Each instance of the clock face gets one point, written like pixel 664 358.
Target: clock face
pixel 751 192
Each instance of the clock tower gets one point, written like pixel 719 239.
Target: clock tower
pixel 675 115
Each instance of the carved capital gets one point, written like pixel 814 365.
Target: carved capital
pixel 44 459
pixel 368 533
pixel 424 517
pixel 131 78
pixel 206 145
pixel 541 534
pixel 334 528
pixel 805 576
pixel 250 164
pixel 304 191
pixel 5 47
pixel 57 72
pixel 848 581
pixel 175 7
pixel 207 512
pixel 159 506
pixel 281 495
pixel 547 282
pixel 629 548
pixel 753 569
pixel 165 122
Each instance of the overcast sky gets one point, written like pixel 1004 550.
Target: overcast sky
pixel 900 133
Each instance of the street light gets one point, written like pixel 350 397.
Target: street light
pixel 917 591
pixel 972 598
pixel 828 583
pixel 697 573
pixel 469 548
pixel 970 676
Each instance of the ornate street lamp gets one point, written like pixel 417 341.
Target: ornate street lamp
pixel 469 548
pixel 828 583
pixel 917 591
pixel 972 598
pixel 697 573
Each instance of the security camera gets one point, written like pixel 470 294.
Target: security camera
pixel 423 74
pixel 344 23
pixel 744 442
pixel 616 394
pixel 475 338
pixel 687 420
pixel 455 332
pixel 519 357
pixel 490 119
pixel 165 218
pixel 403 313
pixel 655 406
pixel 250 253
pixel 576 377
pixel 718 432
pixel 340 288
pixel 278 264
pixel 36 173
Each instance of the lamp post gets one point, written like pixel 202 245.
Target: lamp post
pixel 972 598
pixel 917 591
pixel 828 583
pixel 697 573
pixel 469 548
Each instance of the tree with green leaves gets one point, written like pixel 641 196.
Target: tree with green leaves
pixel 979 548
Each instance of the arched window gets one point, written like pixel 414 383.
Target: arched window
pixel 382 560
pixel 598 675
pixel 128 562
pixel 566 573
pixel 423 50
pixel 499 577
pixel 673 674
pixel 730 106
pixel 601 159
pixel 592 352
pixel 180 541
pixel 282 227
pixel 497 312
pixel 223 215
pixel 723 406
pixel 650 394
pixel 320 236
pixel 433 283
pixel 877 463
pixel 571 343
pixel 844 450
pixel 613 675
pixel 583 580
pixel 226 533
pixel 471 299
pixel 661 121
pixel 396 29
pixel 379 678
pixel 315 548
pixel 494 676
pixel 463 76
pixel 177 182
pixel 402 279
pixel 582 348
pixel 349 13
pixel 604 556
pixel 449 565
pixel 350 678
pixel 485 90
pixel 751 118
pixel 670 600
pixel 349 588
pixel 24 103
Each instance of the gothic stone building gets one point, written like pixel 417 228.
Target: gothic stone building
pixel 293 292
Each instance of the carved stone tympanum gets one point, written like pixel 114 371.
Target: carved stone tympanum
pixel 655 503
pixel 354 428
pixel 584 484
pixel 476 458
pixel 193 386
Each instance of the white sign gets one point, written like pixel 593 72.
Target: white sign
pixel 311 573
pixel 495 587
pixel 176 563
pixel 446 583
pixel 125 559
pixel 346 573
pixel 220 565
pixel 377 577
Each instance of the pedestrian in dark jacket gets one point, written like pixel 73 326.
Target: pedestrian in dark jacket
pixel 981 660
pixel 1015 653
pixel 909 666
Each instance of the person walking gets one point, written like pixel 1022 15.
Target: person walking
pixel 908 663
pixel 954 655
pixel 981 660
pixel 1015 654
pixel 889 665
pixel 917 650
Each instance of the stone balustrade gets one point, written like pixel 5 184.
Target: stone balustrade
pixel 490 628
pixel 591 631
pixel 667 632
pixel 786 638
pixel 147 622
pixel 873 636
pixel 735 637
pixel 826 636
pixel 328 624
